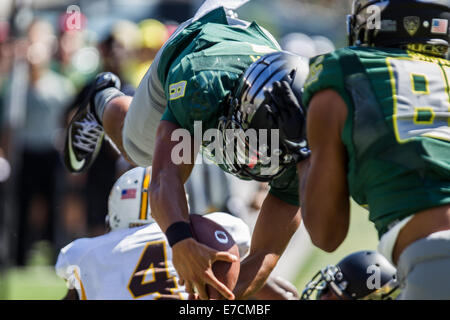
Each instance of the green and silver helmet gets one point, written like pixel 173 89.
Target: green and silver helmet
pixel 252 148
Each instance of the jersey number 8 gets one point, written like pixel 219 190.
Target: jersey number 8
pixel 420 90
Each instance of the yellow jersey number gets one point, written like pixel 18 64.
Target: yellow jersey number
pixel 420 89
pixel 151 275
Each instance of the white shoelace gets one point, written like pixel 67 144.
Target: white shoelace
pixel 88 134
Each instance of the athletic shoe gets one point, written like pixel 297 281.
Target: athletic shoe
pixel 85 133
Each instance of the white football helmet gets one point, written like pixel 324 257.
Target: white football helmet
pixel 128 203
pixel 236 227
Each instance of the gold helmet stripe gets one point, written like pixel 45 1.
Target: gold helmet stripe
pixel 144 196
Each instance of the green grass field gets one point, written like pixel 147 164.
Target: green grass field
pixel 36 281
pixel 39 281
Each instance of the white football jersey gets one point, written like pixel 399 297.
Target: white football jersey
pixel 126 264
pixel 134 263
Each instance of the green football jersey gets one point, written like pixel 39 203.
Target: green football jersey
pixel 201 66
pixel 397 131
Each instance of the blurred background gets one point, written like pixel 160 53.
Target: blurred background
pixel 46 59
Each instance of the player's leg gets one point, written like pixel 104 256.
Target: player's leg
pixel 423 268
pixel 113 121
pixel 85 132
pixel 129 122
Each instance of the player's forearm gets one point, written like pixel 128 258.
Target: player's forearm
pixel 168 200
pixel 333 209
pixel 255 270
pixel 325 195
pixel 312 211
pixel 276 224
pixel 167 195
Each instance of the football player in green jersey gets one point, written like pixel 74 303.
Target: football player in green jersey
pixel 215 70
pixel 378 116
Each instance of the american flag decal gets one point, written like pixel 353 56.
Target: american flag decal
pixel 128 194
pixel 439 26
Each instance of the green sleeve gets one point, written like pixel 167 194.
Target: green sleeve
pixel 168 116
pixel 198 97
pixel 285 187
pixel 325 73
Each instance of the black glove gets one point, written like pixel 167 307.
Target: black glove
pixel 290 118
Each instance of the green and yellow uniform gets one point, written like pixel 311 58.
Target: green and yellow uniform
pixel 397 131
pixel 202 65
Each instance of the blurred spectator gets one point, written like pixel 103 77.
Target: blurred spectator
pixel 260 195
pixel 5 169
pixel 299 43
pixel 208 189
pixel 131 47
pixel 6 58
pixel 118 52
pixel 323 45
pixel 45 96
pixel 306 46
pixel 153 35
pixel 5 52
pixel 100 179
pixel 77 57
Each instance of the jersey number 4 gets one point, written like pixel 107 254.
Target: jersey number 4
pixel 151 275
pixel 421 94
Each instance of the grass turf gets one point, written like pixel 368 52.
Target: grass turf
pixel 33 283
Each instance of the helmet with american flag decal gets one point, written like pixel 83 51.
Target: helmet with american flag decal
pixel 128 203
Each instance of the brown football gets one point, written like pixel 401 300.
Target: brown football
pixel 215 236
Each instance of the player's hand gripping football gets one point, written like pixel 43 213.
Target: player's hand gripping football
pixel 193 262
pixel 289 117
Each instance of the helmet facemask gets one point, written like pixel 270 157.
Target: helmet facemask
pixel 330 284
pixel 252 148
pixel 362 275
pixel 246 152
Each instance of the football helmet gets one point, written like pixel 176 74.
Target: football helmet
pixel 128 202
pixel 250 108
pixel 393 23
pixel 351 279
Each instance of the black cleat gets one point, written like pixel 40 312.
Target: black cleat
pixel 85 134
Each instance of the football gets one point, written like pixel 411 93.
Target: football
pixel 215 236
